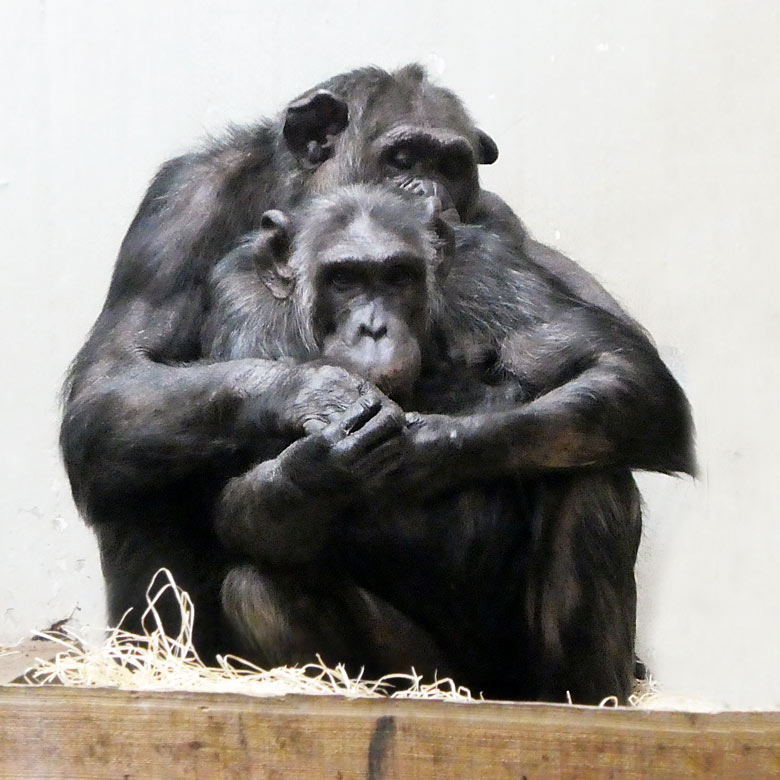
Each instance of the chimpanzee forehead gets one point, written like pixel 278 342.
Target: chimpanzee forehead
pixel 403 132
pixel 367 237
pixel 411 100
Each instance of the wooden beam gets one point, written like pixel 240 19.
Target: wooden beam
pixel 57 733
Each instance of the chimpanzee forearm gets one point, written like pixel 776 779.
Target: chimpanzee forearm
pixel 602 397
pixel 135 424
pixel 147 422
pixel 282 511
pixel 623 410
pixel 612 414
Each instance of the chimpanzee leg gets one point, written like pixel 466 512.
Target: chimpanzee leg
pixel 287 618
pixel 132 552
pixel 581 599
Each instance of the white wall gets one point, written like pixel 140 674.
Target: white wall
pixel 642 138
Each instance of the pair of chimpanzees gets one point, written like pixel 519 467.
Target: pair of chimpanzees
pixel 357 411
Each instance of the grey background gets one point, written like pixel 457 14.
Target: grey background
pixel 639 137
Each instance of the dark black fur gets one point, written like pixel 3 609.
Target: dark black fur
pixel 537 567
pixel 153 429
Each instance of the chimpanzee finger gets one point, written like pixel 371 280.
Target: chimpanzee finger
pixel 359 414
pixel 332 414
pixel 382 460
pixel 314 425
pixel 353 418
pixel 387 424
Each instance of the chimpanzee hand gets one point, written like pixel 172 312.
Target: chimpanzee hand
pixel 433 459
pixel 283 510
pixel 358 448
pixel 427 188
pixel 315 395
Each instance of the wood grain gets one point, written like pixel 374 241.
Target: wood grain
pixel 53 733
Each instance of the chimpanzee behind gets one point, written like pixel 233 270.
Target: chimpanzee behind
pixel 152 429
pixel 538 570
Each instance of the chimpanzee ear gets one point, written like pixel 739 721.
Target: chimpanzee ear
pixel 488 150
pixel 272 253
pixel 312 124
pixel 445 249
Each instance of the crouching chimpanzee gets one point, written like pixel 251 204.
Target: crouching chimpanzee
pixel 153 429
pixel 527 577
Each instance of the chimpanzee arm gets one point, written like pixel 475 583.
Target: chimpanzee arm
pixel 280 512
pixel 605 406
pixel 622 410
pixel 141 411
pixel 601 395
pixel 592 390
pixel 132 423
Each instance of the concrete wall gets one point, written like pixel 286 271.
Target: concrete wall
pixel 641 138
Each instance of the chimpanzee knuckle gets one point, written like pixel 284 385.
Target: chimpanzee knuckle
pixel 332 414
pixel 390 419
pixel 319 443
pixel 335 375
pixel 379 471
pixel 365 437
pixel 335 382
pixel 332 434
pixel 365 451
pixel 312 425
pixel 358 415
pixel 383 456
pixel 315 401
pixel 350 446
pixel 396 414
pixel 370 396
pixel 389 452
pixel 340 400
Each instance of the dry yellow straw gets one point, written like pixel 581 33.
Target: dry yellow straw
pixel 154 661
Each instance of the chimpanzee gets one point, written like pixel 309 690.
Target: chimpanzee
pixel 357 292
pixel 538 569
pixel 152 428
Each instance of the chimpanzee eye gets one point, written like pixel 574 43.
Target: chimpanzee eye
pixel 342 278
pixel 402 158
pixel 401 276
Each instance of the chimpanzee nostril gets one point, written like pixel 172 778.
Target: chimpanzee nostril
pixel 375 332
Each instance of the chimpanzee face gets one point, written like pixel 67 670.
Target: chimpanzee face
pixel 371 305
pixel 360 271
pixel 445 160
pixel 400 129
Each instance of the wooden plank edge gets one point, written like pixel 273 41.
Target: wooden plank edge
pixel 54 732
